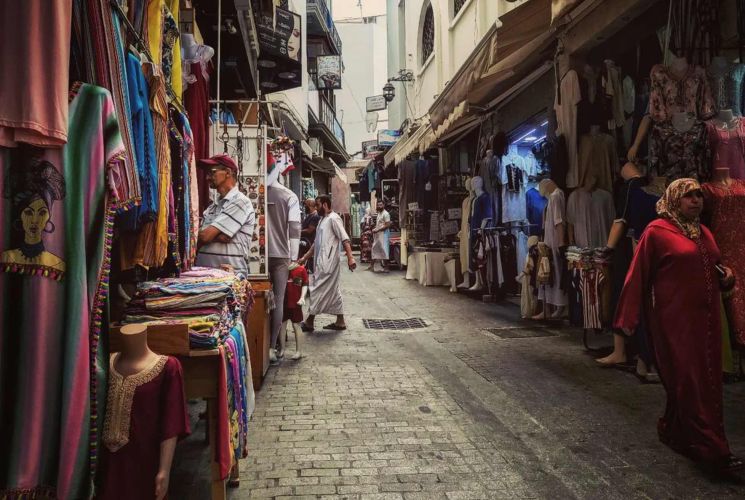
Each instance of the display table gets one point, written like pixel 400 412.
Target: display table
pixel 258 325
pixel 201 377
pixel 427 265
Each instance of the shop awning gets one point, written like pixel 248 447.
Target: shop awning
pixel 419 141
pixel 321 164
pixel 519 26
pixel 286 118
pixel 357 164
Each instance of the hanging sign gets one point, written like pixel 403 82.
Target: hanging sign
pixel 369 148
pixel 280 36
pixel 376 103
pixel 388 137
pixel 329 72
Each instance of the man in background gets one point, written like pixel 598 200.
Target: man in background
pixel 308 230
pixel 381 238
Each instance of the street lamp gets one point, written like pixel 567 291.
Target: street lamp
pixel 389 91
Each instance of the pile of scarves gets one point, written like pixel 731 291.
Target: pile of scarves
pixel 210 301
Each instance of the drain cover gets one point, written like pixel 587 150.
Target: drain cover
pixel 514 332
pixel 394 324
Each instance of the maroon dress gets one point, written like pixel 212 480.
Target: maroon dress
pixel 673 278
pixel 725 207
pixel 143 410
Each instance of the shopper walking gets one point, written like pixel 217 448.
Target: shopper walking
pixel 381 235
pixel 228 224
pixel 674 284
pixel 325 294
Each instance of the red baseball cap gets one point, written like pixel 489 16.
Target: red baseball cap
pixel 222 160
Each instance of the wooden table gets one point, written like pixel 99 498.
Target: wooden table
pixel 201 378
pixel 258 334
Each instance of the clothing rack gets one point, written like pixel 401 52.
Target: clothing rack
pixel 142 47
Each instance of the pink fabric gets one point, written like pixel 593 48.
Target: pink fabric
pixel 669 95
pixel 34 55
pixel 728 147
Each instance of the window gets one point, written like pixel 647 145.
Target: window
pixel 457 5
pixel 428 34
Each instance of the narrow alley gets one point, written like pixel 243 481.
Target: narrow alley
pixel 452 411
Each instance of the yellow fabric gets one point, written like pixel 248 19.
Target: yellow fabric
pixel 176 83
pixel 154 33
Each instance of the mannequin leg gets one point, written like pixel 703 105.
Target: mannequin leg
pixel 559 312
pixel 466 281
pixel 479 285
pixel 618 355
pixel 278 272
pixel 283 338
pixel 299 341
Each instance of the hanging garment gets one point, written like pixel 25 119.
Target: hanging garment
pixel 535 206
pixel 325 294
pixel 555 215
pixel 513 194
pixel 527 289
pixel 60 286
pixel 196 102
pixel 724 207
pixel 727 87
pixel 422 177
pixel 598 158
pixel 669 95
pixel 728 147
pixel 677 155
pixel 143 410
pixel 591 284
pixel 508 257
pixel 34 108
pixel 565 106
pixel 591 215
pixel 685 330
pixel 464 236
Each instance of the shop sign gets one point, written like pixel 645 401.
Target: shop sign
pixel 280 36
pixel 388 137
pixel 414 206
pixel 369 148
pixel 449 228
pixel 453 213
pixel 376 103
pixel 329 72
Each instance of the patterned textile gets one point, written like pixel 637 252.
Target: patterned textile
pixel 691 94
pixel 48 431
pixel 668 207
pixel 727 87
pixel 676 155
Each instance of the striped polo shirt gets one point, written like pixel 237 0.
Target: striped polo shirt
pixel 234 216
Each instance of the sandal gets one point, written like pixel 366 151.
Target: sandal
pixel 334 326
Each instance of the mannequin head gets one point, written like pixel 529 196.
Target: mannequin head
pixel 469 185
pixel 546 187
pixel 590 183
pixel 630 171
pixel 188 45
pixel 478 185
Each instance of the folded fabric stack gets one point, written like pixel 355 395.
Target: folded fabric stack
pixel 210 301
pixel 587 257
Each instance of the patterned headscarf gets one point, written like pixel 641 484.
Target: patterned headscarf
pixel 668 207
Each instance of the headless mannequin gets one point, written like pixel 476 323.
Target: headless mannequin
pixel 296 327
pixel 278 266
pixel 478 189
pixel 136 356
pixel 465 236
pixel 549 187
pixel 589 186
pixel 191 49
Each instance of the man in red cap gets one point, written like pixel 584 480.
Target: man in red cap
pixel 228 224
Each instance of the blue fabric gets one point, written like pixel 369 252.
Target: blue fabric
pixel 187 186
pixel 535 206
pixel 637 207
pixel 482 209
pixel 143 140
pixel 372 180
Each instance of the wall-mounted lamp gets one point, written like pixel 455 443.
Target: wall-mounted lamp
pixel 389 91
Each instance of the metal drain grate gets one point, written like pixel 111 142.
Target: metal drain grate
pixel 394 324
pixel 516 332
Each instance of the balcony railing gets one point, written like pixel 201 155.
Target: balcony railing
pixel 327 22
pixel 328 118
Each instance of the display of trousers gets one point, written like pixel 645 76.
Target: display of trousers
pixel 591 287
pixel 508 258
pixel 575 299
pixel 278 273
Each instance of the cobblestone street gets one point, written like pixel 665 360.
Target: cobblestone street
pixel 452 411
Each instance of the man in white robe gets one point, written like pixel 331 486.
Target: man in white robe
pixel 381 235
pixel 325 294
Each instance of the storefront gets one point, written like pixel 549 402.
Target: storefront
pixel 102 249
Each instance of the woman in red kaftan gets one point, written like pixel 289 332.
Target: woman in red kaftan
pixel 674 285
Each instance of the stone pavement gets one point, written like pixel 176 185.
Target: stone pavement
pixel 452 411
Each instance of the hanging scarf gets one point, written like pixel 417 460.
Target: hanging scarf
pixel 668 207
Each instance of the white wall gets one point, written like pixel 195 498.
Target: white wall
pixel 364 52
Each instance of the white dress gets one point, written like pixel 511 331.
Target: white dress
pixel 591 214
pixel 555 215
pixel 325 294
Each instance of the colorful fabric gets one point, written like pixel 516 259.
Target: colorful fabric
pixel 668 207
pixel 669 95
pixel 49 435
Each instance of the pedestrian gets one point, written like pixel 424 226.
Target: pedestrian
pixel 325 294
pixel 228 224
pixel 381 234
pixel 308 230
pixel 366 236
pixel 674 283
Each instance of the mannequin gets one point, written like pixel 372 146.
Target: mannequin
pixel 482 212
pixel 465 236
pixel 678 67
pixel 513 179
pixel 193 51
pixel 283 245
pixel 597 156
pixel 145 416
pixel 489 172
pixel 590 214
pixel 555 239
pixel 297 285
pixel 726 137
